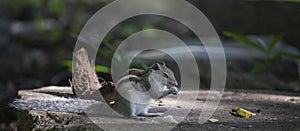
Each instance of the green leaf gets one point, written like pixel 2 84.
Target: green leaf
pixel 56 7
pixel 272 60
pixel 243 39
pixel 275 40
pixel 75 29
pixel 106 54
pixel 108 45
pixel 129 30
pixel 213 120
pixel 147 26
pixel 68 64
pixel 26 3
pixel 291 0
pixel 56 34
pixel 103 69
pixel 98 68
pixel 106 42
pixel 289 55
pixel 257 69
pixel 39 23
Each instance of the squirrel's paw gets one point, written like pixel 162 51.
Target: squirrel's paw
pixel 139 118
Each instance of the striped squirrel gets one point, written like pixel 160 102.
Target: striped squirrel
pixel 139 88
pixel 135 91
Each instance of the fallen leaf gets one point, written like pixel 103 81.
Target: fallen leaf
pixel 213 120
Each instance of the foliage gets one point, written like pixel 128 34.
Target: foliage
pixel 266 48
pixel 68 64
pixel 108 49
pixel 292 1
pixel 66 21
pixel 57 19
pixel 103 69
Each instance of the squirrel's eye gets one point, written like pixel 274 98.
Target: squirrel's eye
pixel 165 74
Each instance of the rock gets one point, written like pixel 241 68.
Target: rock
pixel 94 115
pixel 49 120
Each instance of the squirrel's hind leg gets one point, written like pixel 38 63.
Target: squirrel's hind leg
pixel 151 114
pixel 146 113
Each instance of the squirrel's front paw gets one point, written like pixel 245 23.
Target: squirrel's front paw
pixel 139 118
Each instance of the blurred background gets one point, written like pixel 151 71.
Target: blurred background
pixel 37 37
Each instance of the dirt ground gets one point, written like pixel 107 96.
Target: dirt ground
pixel 274 111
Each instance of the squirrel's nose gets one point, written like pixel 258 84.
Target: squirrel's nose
pixel 174 90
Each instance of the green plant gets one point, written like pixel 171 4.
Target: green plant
pixel 296 1
pixel 267 48
pixel 108 49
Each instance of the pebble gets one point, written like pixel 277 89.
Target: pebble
pixel 169 119
pixel 161 104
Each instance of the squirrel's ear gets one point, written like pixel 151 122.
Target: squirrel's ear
pixel 155 66
pixel 163 63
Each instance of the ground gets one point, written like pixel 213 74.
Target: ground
pixel 275 110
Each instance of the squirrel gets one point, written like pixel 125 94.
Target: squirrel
pixel 139 88
pixel 135 91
